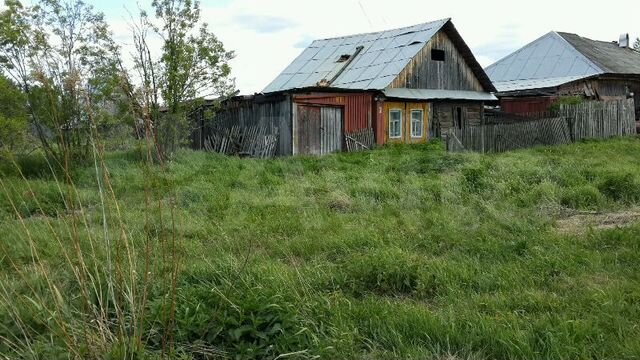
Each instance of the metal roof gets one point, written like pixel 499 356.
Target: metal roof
pixel 383 56
pixel 526 84
pixel 428 94
pixel 558 58
pixel 609 57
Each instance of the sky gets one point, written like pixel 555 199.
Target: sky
pixel 267 35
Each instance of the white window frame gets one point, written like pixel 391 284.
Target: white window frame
pixel 421 123
pixel 400 135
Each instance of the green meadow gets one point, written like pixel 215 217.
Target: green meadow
pixel 401 252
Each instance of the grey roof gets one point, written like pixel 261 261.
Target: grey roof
pixel 382 58
pixel 428 94
pixel 610 57
pixel 527 84
pixel 558 58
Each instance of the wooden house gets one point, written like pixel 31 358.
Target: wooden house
pixel 402 86
pixel 563 64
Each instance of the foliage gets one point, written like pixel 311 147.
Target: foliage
pixel 62 56
pixel 401 252
pixel 13 118
pixel 193 64
pixel 565 100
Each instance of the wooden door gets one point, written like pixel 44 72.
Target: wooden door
pixel 330 130
pixel 319 129
pixel 308 126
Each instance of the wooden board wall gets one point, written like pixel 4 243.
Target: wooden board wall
pixel 444 116
pixel 269 113
pixel 451 74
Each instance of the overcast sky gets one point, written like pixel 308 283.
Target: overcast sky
pixel 267 35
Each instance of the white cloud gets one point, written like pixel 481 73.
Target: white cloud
pixel 268 35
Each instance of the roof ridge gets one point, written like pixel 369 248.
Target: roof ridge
pixel 593 62
pixel 586 38
pixel 443 20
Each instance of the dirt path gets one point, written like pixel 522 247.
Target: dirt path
pixel 581 222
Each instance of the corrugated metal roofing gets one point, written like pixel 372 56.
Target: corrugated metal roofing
pixel 428 94
pixel 557 58
pixel 382 58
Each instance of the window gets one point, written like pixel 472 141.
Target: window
pixel 437 55
pixel 395 123
pixel 417 123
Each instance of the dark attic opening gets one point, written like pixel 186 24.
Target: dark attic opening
pixel 437 55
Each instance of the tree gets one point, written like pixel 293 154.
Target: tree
pixel 193 64
pixel 63 57
pixel 13 117
pixel 636 44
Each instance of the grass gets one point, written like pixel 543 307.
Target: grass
pixel 401 252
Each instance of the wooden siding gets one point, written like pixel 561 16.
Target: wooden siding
pixel 274 114
pixel 526 105
pixel 451 74
pixel 445 114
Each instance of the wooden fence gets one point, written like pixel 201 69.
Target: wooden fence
pixel 590 120
pixel 600 119
pixel 251 141
pixel 360 140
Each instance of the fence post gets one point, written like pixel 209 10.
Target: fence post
pixel 482 132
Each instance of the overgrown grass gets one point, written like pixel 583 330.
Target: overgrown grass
pixel 401 252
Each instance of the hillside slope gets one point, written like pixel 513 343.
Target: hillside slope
pixel 402 252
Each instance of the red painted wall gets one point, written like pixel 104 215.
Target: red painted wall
pixel 358 107
pixel 523 105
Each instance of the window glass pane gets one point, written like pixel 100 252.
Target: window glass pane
pixel 395 123
pixel 417 123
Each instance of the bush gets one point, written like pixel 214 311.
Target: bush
pixel 13 132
